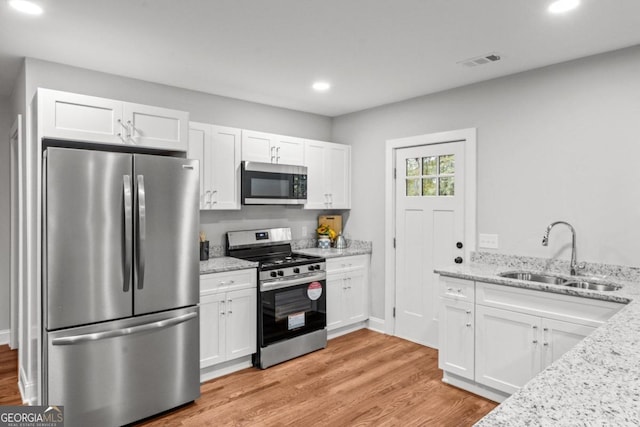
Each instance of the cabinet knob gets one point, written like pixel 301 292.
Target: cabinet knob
pixel 546 344
pixel 535 341
pixel 458 260
pixel 468 311
pixel 468 325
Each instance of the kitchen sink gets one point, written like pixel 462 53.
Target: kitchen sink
pixel 592 286
pixel 558 280
pixel 534 277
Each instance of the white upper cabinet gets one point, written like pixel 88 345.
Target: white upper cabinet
pixel 218 149
pixel 328 175
pixel 70 116
pixel 271 148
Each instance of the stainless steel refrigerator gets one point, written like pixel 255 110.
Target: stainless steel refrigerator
pixel 120 284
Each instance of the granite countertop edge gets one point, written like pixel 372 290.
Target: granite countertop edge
pixel 595 383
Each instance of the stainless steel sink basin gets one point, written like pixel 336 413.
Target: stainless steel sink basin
pixel 572 282
pixel 593 286
pixel 534 277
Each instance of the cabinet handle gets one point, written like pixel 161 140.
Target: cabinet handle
pixel 229 311
pixel 207 197
pixel 449 289
pixel 222 303
pixel 230 282
pixel 468 325
pixel 459 290
pixel 546 344
pixel 131 128
pixel 468 311
pixel 535 341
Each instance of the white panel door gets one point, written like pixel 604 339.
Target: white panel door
pixel 212 329
pixel 288 150
pixel 317 171
pixel 429 233
pixel 224 168
pixel 157 127
pixel 356 301
pixel 241 312
pixel 456 353
pixel 339 159
pixel 507 348
pixel 559 337
pixel 335 300
pixel 199 145
pixel 256 147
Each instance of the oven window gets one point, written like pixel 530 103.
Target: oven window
pixel 290 302
pixel 269 187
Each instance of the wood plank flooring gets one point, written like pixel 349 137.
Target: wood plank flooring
pixel 360 379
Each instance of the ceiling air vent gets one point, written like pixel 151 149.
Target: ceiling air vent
pixel 481 60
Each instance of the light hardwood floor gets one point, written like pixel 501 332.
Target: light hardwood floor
pixel 360 379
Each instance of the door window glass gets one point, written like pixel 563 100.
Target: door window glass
pixel 430 176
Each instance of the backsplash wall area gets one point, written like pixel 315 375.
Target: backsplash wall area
pixel 216 223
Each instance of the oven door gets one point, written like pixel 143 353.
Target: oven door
pixel 291 311
pixel 273 184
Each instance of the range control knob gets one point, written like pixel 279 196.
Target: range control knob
pixel 273 274
pixel 296 270
pixel 310 268
pixel 317 266
pixel 458 260
pixel 280 273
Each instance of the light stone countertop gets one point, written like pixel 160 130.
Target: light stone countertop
pixel 334 253
pixel 225 263
pixel 598 381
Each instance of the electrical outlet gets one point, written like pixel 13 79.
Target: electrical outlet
pixel 305 231
pixel 488 241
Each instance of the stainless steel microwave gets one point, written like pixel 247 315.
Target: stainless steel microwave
pixel 273 184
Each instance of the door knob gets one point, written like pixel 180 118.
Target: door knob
pixel 459 245
pixel 458 260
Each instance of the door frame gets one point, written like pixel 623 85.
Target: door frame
pixel 15 261
pixel 468 136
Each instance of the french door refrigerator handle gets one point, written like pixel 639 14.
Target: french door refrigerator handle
pixel 128 239
pixel 76 339
pixel 142 225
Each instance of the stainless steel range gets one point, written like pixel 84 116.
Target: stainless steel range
pixel 292 316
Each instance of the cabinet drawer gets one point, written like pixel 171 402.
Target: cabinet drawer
pixel 228 280
pixel 584 311
pixel 458 289
pixel 346 263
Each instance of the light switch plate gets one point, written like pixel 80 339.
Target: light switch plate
pixel 488 241
pixel 304 230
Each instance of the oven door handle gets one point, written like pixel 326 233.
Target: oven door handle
pixel 279 284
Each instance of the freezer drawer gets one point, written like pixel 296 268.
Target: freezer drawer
pixel 119 372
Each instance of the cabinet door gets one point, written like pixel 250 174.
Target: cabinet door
pixel 224 167
pixel 558 337
pixel 356 296
pixel 315 161
pixel 157 127
pixel 507 348
pixel 335 301
pixel 199 147
pixel 456 352
pixel 256 147
pixel 241 317
pixel 76 117
pixel 339 160
pixel 289 150
pixel 212 329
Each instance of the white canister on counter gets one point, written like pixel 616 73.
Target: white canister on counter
pixel 324 242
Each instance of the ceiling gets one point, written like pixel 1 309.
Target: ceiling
pixel 373 52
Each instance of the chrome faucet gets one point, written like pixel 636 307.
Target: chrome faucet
pixel 545 242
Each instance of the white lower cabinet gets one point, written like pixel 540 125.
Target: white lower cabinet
pixel 228 321
pixel 495 338
pixel 347 291
pixel 457 326
pixel 513 347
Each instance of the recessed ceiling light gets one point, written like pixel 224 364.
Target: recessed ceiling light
pixel 321 86
pixel 25 6
pixel 561 6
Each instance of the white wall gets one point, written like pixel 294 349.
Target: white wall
pixel 6 121
pixel 557 143
pixel 202 108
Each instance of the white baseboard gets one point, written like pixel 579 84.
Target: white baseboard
pixel 225 368
pixel 335 333
pixel 376 324
pixel 5 336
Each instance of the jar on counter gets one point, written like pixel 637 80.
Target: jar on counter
pixel 324 242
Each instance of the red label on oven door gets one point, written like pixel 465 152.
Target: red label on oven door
pixel 314 290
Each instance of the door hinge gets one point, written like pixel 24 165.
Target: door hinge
pixel 394 243
pixel 394 312
pixel 395 173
